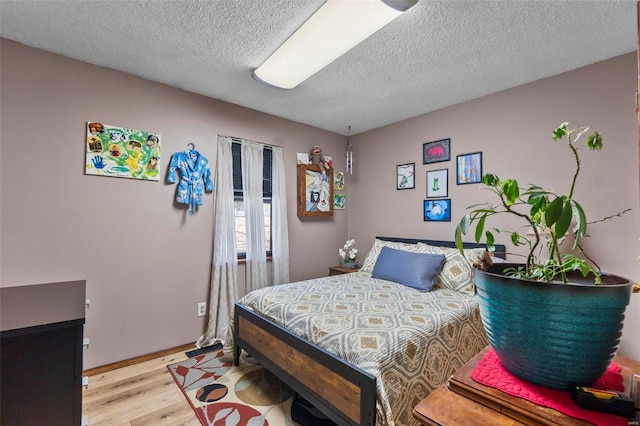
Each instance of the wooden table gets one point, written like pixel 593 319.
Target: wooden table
pixel 338 270
pixel 463 401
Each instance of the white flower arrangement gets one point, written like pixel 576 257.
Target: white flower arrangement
pixel 348 251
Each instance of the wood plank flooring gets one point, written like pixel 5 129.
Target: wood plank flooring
pixel 137 395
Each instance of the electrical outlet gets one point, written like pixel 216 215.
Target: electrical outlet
pixel 202 309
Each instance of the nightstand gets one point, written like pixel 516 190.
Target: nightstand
pixel 476 404
pixel 339 270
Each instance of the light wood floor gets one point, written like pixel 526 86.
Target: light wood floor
pixel 136 395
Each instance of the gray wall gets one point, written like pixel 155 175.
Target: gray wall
pixel 147 264
pixel 513 131
pixel 145 261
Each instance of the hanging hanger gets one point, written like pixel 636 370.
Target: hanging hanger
pixel 191 146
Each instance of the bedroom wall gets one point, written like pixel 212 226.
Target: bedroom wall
pixel 513 131
pixel 145 261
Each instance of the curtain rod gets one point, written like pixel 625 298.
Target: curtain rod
pixel 237 139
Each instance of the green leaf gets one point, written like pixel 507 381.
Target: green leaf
pixel 564 221
pixel 480 228
pixel 515 238
pixel 538 204
pixel 462 228
pixel 475 206
pixel 490 241
pixel 511 190
pixel 535 196
pixel 464 224
pixel 594 141
pixel 581 223
pixel 560 131
pixel 553 212
pixel 581 131
pixel 490 179
pixel 459 238
pixel 480 212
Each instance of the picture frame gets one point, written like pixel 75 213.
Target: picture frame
pixel 119 152
pixel 437 183
pixel 437 210
pixel 315 191
pixel 302 158
pixel 469 168
pixel 436 151
pixel 406 176
pixel 339 201
pixel 338 181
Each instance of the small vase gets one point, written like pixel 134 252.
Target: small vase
pixel 349 265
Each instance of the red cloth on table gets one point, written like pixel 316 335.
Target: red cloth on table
pixel 490 372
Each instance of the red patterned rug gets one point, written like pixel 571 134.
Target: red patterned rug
pixel 222 394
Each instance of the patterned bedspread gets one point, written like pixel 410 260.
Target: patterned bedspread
pixel 411 341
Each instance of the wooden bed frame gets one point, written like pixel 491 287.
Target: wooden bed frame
pixel 343 392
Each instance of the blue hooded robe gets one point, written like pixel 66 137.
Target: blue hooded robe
pixel 195 177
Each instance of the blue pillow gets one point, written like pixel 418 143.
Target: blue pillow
pixel 416 270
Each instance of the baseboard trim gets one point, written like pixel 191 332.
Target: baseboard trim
pixel 136 360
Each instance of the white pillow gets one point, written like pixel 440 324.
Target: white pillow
pixel 370 261
pixel 457 272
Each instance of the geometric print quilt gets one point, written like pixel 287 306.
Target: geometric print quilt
pixel 411 341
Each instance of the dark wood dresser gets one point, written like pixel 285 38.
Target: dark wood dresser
pixel 41 330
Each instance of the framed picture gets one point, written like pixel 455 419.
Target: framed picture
pixel 437 210
pixel 302 158
pixel 338 181
pixel 120 152
pixel 405 176
pixel 437 183
pixel 315 191
pixel 339 201
pixel 436 151
pixel 469 168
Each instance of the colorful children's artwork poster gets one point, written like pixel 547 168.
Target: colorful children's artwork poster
pixel 405 176
pixel 437 210
pixel 120 152
pixel 339 201
pixel 338 181
pixel 469 168
pixel 318 192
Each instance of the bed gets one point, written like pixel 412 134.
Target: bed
pixel 364 350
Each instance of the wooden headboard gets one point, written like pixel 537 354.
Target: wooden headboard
pixel 500 251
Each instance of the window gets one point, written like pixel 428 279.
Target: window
pixel 241 234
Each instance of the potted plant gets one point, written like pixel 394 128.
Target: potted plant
pixel 348 254
pixel 554 321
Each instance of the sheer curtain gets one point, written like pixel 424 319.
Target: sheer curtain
pixel 224 273
pixel 252 182
pixel 279 228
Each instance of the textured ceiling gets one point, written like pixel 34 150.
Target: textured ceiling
pixel 437 54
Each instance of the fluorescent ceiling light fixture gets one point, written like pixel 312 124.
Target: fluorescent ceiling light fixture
pixel 334 29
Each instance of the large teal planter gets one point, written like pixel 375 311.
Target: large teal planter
pixel 553 335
